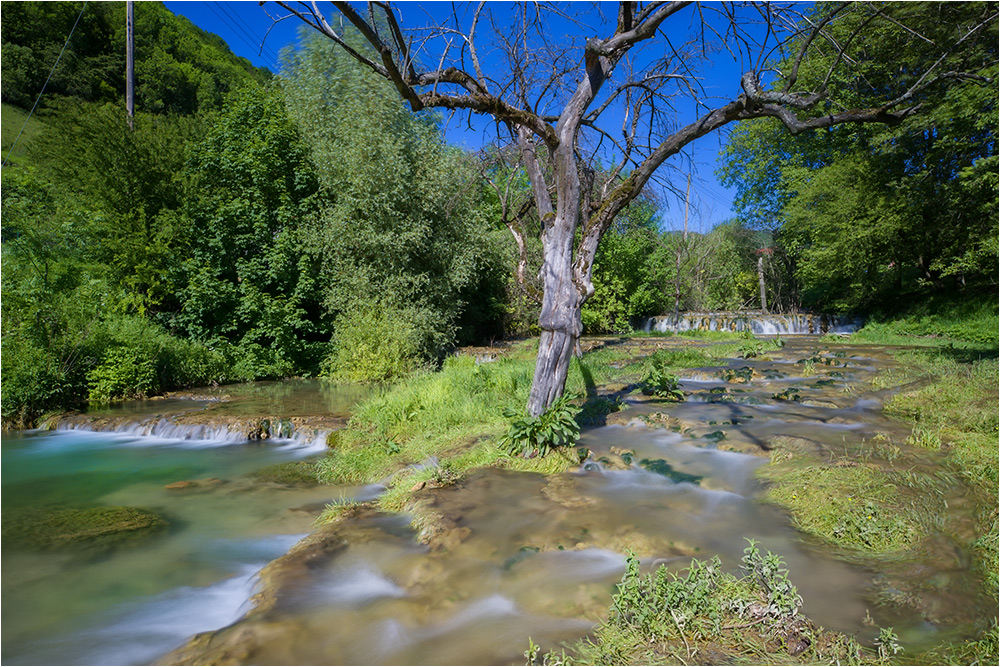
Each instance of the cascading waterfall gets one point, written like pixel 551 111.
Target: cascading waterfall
pixel 757 322
pixel 282 433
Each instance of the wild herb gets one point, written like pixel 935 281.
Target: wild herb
pixel 658 381
pixel 771 575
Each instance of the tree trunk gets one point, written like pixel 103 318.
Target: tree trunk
pixel 560 323
pixel 560 315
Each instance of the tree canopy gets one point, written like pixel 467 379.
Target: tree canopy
pixel 809 70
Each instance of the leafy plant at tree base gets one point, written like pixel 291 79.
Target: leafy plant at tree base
pixel 556 427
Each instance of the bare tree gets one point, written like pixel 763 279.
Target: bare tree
pixel 567 100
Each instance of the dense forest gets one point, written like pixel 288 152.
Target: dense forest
pixel 253 226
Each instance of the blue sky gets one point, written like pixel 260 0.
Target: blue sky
pixel 244 25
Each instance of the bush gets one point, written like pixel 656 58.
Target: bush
pixel 376 344
pixel 34 382
pixel 124 374
pixel 137 358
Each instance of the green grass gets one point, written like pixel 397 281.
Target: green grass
pixel 454 416
pixel 957 413
pixel 865 506
pixel 971 321
pixel 704 615
pixel 11 121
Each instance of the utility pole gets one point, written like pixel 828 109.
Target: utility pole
pixel 129 64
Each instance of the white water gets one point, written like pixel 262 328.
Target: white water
pixel 139 602
pixel 758 323
pixel 304 443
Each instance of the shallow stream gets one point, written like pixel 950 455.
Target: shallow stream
pixel 522 555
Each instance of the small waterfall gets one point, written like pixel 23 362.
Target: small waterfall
pixel 280 432
pixel 757 322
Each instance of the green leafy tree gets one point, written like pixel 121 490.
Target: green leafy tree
pixel 250 281
pixel 631 271
pixel 867 212
pixel 132 183
pixel 400 226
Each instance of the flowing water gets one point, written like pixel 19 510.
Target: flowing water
pixel 757 322
pixel 519 555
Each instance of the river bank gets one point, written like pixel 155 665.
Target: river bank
pixel 418 490
pixel 464 572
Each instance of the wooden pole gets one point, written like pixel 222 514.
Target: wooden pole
pixel 129 64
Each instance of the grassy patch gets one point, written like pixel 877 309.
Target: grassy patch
pixel 405 435
pixel 957 412
pixel 866 506
pixel 703 615
pixel 970 321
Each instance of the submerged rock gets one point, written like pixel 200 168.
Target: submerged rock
pixel 194 485
pixel 95 529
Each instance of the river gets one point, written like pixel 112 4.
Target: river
pixel 526 556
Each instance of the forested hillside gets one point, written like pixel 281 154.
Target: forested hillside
pixel 254 227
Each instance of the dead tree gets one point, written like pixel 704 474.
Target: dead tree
pixel 616 94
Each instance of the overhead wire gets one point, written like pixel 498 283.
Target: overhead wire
pixel 242 34
pixel 264 49
pixel 44 85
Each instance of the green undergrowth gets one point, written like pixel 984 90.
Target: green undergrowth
pixel 705 615
pixel 971 321
pixel 454 418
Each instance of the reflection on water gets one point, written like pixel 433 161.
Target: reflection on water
pixel 524 555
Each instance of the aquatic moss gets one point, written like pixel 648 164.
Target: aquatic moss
pixel 92 528
pixel 292 473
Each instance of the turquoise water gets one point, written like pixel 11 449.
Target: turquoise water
pixel 133 605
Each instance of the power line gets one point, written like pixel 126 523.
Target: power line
pixel 240 33
pixel 44 85
pixel 263 48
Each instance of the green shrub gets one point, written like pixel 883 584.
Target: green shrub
pixel 556 427
pixel 34 382
pixel 374 344
pixel 124 374
pixel 253 361
pixel 137 358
